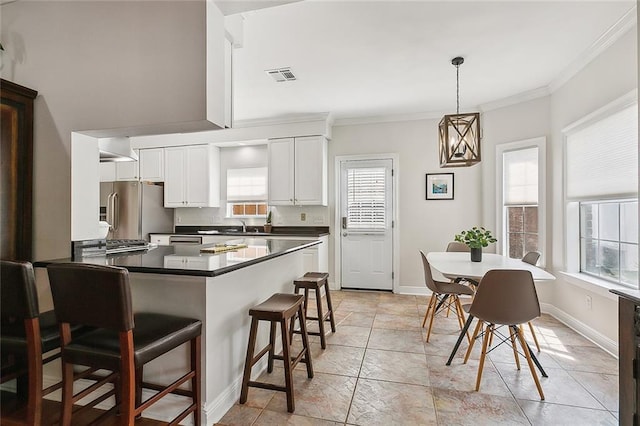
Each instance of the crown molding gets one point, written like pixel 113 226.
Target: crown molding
pixel 350 121
pixel 285 119
pixel 516 99
pixel 617 30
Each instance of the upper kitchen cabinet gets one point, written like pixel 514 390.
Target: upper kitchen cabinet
pixel 128 170
pixel 298 171
pixel 192 176
pixel 152 165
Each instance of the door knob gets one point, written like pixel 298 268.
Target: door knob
pixel 344 234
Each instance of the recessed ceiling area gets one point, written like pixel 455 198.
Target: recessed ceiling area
pixel 358 59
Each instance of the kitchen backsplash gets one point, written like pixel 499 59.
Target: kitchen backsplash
pixel 281 216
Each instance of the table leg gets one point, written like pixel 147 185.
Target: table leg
pixel 462 334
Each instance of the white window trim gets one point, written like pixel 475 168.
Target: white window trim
pixel 541 144
pixel 572 207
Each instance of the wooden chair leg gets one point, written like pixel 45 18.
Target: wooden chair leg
pixel 196 382
pixel 533 333
pixel 288 373
pixel 514 347
pixel 248 363
pixel 426 314
pixel 332 319
pixel 127 379
pixel 34 368
pixel 488 332
pixel 476 331
pixel 433 315
pixel 532 368
pixel 67 394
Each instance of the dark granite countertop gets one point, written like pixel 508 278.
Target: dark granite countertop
pixel 276 231
pixel 631 294
pixel 188 260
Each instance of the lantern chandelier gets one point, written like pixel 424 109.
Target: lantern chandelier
pixel 459 141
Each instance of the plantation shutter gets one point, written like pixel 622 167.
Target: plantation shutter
pixel 366 198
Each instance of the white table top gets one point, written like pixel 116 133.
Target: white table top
pixel 458 264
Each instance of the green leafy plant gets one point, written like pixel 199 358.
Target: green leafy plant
pixel 476 237
pixel 268 221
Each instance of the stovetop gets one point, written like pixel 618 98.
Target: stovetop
pixel 119 246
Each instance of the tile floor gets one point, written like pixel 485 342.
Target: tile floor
pixel 378 370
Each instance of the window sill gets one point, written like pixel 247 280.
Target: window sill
pixel 593 284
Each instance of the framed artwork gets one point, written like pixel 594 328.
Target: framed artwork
pixel 439 186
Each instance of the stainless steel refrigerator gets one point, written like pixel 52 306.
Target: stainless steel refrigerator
pixel 134 209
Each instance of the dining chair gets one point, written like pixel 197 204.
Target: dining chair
pixel 443 296
pixel 455 246
pixel 532 258
pixel 505 297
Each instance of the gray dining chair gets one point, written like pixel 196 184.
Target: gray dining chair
pixel 443 296
pixel 515 286
pixel 455 246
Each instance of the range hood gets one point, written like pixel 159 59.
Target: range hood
pixel 116 149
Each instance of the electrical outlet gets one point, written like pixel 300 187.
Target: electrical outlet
pixel 588 301
pixel 303 217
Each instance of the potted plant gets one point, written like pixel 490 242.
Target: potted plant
pixel 267 224
pixel 476 238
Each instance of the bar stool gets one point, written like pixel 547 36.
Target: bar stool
pixel 280 308
pixel 25 336
pixel 100 296
pixel 316 281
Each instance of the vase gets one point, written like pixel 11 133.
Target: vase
pixel 476 254
pixel 267 228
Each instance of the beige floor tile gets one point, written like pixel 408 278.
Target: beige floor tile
pixel 584 358
pixel 396 340
pixel 354 305
pixel 337 359
pixel 401 367
pixel 474 408
pixel 604 387
pixel 358 319
pixel 272 418
pixel 544 413
pixel 385 403
pixel 348 335
pixel 410 310
pixel 240 415
pixel 396 322
pixel 259 398
pixel 462 377
pixel 399 299
pixel 558 388
pixel 326 396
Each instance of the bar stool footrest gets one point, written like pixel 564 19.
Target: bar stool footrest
pixel 269 386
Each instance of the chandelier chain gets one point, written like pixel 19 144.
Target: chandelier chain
pixel 457 89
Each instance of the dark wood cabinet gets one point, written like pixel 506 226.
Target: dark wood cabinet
pixel 628 355
pixel 16 171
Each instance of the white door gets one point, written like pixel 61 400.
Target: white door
pixel 366 237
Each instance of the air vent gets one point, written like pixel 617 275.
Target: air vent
pixel 281 74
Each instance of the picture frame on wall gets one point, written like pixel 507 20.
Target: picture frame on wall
pixel 439 186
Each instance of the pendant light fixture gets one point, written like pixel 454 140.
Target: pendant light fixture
pixel 459 141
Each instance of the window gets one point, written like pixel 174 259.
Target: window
pixel 366 198
pixel 247 192
pixel 609 240
pixel 520 189
pixel 601 178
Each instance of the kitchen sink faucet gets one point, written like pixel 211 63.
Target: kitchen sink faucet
pixel 244 225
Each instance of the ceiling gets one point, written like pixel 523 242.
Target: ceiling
pixel 357 59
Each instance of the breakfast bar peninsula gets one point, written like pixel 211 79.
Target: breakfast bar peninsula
pixel 217 285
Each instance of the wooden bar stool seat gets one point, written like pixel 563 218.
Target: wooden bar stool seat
pixel 316 281
pixel 121 342
pixel 280 308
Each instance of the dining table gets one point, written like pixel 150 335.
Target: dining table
pixel 458 266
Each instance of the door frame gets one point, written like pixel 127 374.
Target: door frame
pixel 395 240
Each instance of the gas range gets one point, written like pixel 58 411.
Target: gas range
pixel 120 246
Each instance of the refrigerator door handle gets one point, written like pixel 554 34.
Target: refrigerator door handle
pixel 109 217
pixel 115 211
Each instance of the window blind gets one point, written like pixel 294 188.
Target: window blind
pixel 520 169
pixel 602 158
pixel 366 198
pixel 248 184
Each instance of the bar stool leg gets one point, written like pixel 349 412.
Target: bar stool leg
pixel 305 343
pixel 196 382
pixel 323 339
pixel 249 361
pixel 332 319
pixel 288 374
pixel 272 344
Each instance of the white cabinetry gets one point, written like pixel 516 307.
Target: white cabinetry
pixel 128 170
pixel 298 171
pixel 152 165
pixel 192 176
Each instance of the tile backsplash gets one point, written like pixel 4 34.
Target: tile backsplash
pixel 281 216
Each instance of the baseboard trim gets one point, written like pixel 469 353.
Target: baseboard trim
pixel 606 344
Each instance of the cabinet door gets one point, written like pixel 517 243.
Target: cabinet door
pixel 152 165
pixel 127 170
pixel 107 172
pixel 197 176
pixel 174 173
pixel 310 259
pixel 311 171
pixel 281 172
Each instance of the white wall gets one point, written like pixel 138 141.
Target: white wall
pixel 98 65
pixel 423 225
